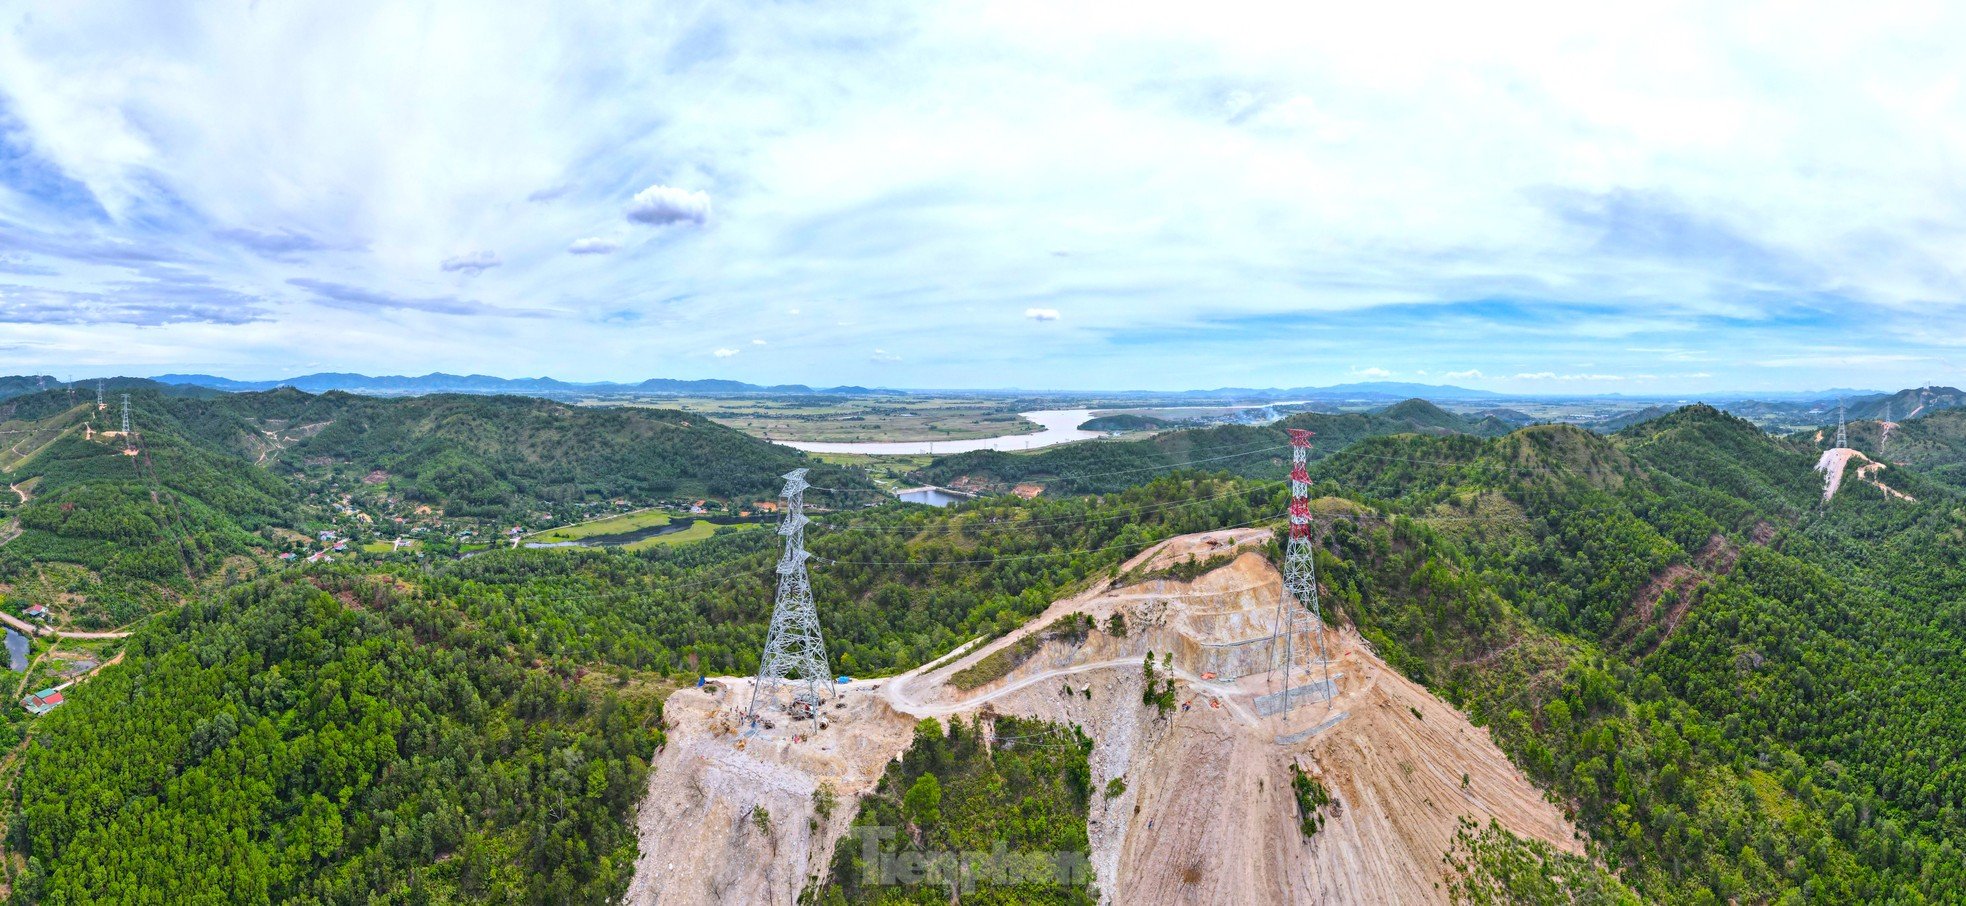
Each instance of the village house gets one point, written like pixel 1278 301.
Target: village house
pixel 42 702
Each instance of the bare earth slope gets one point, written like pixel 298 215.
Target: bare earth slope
pixel 1207 815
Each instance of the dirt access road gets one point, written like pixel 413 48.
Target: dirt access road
pixel 31 629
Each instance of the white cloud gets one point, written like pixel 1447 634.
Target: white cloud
pixel 757 342
pixel 929 156
pixel 472 262
pixel 1041 314
pixel 662 205
pixel 1470 374
pixel 883 357
pixel 1371 373
pixel 724 352
pixel 593 245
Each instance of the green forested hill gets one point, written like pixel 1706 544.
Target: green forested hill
pixel 1934 443
pixel 107 538
pixel 1742 693
pixel 1745 697
pixel 495 455
pixel 1255 451
pixel 339 740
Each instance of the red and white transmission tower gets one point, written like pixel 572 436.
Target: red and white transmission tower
pixel 1300 570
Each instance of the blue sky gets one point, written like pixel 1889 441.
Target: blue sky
pixel 1534 198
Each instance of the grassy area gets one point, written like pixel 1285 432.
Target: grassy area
pixel 631 522
pixel 697 531
pixel 612 525
pixel 889 472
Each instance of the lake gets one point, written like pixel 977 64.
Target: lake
pixel 931 495
pixel 17 648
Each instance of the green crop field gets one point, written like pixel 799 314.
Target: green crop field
pixel 612 525
pixel 697 531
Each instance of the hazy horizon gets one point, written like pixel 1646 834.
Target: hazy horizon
pixel 1717 392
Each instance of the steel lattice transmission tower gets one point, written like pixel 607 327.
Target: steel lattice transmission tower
pixel 126 415
pixel 100 404
pixel 1300 569
pixel 794 646
pixel 1842 435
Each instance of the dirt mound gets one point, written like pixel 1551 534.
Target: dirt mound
pixel 1207 814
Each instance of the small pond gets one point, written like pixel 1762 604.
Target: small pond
pixel 17 648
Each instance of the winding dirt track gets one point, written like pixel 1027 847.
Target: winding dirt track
pixel 896 690
pixel 30 629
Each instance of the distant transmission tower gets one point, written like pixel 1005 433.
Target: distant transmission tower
pixel 129 440
pixel 1300 569
pixel 794 646
pixel 1884 430
pixel 100 403
pixel 1842 435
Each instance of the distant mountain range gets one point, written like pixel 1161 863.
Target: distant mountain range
pixel 439 382
pixel 1767 407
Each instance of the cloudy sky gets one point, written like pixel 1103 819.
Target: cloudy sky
pixel 1042 195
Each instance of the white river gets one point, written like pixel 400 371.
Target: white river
pixel 1061 426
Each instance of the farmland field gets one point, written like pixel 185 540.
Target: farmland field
pixel 846 419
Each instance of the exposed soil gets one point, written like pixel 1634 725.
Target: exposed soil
pixel 1832 465
pixel 1207 815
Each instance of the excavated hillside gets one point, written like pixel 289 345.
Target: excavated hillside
pixel 1207 815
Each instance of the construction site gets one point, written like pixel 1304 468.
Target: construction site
pixel 1205 813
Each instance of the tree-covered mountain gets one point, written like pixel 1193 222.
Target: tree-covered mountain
pixel 337 739
pixel 103 537
pixel 494 456
pixel 1906 404
pixel 1742 693
pixel 1668 629
pixel 222 481
pixel 1934 443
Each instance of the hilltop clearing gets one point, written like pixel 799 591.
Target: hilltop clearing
pixel 1204 812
